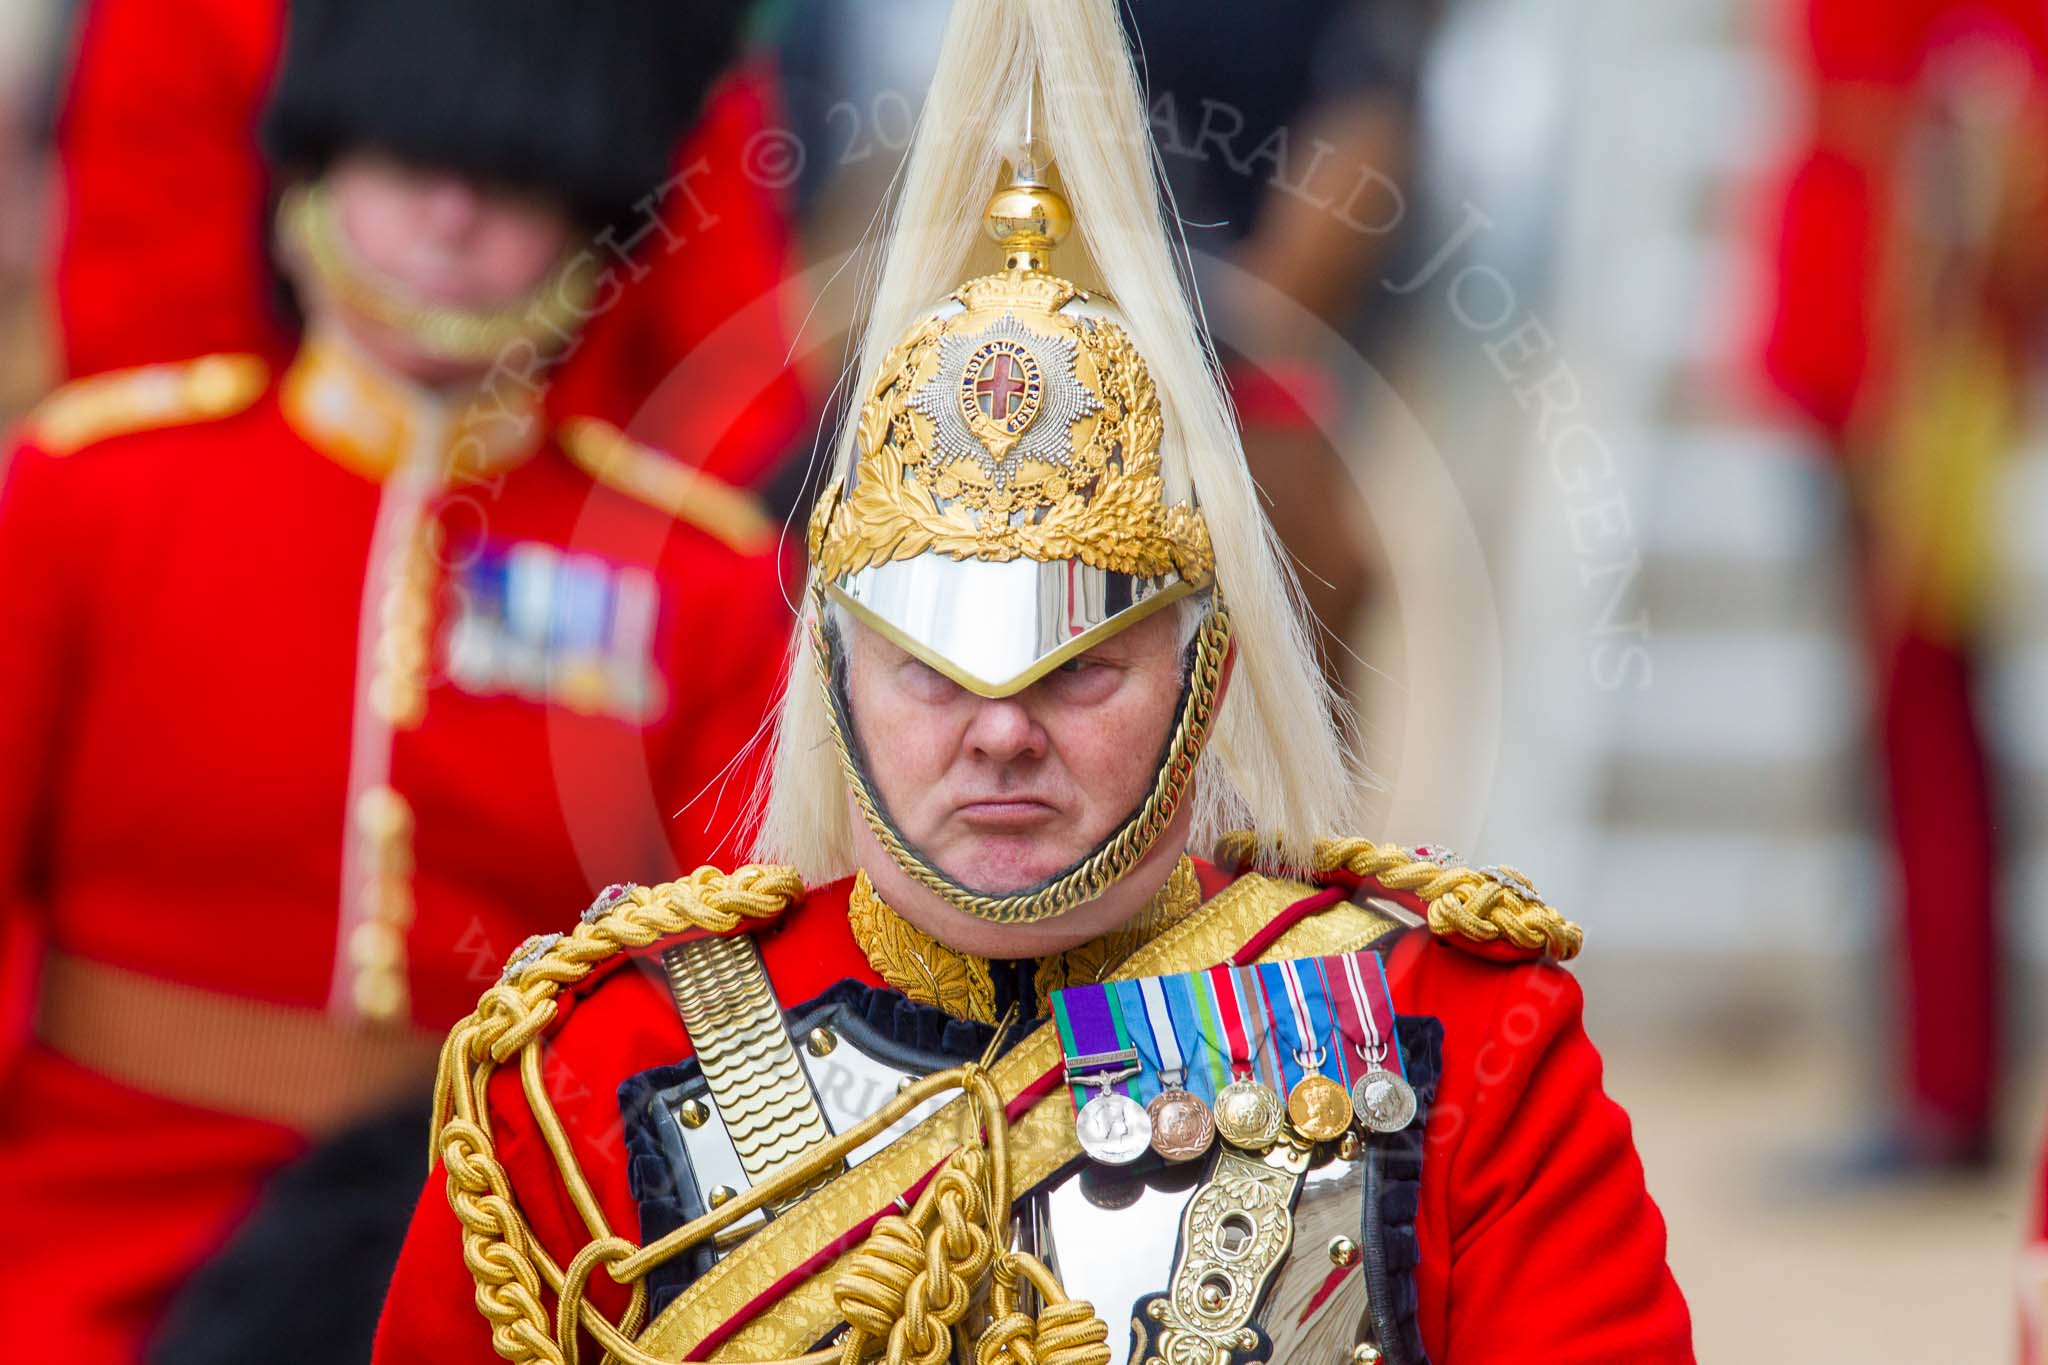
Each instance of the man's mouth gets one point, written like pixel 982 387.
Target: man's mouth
pixel 1005 813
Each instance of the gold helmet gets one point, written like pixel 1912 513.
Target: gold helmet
pixel 1035 466
pixel 1008 512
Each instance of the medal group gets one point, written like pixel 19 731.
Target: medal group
pixel 1168 1064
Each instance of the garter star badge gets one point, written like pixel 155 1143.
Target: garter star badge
pixel 1005 391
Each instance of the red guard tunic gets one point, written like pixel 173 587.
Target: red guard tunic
pixel 1539 1242
pixel 161 253
pixel 307 718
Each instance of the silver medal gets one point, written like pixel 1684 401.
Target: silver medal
pixel 1114 1128
pixel 1383 1101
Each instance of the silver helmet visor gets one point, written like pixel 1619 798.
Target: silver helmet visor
pixel 996 628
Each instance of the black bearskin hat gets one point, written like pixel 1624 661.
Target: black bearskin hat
pixel 584 100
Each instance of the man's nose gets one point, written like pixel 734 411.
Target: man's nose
pixel 451 208
pixel 1005 731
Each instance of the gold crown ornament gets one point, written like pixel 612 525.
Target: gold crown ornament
pixel 1007 512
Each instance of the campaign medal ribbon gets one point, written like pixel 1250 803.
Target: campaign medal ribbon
pixel 1113 1128
pixel 1318 1107
pixel 1248 1113
pixel 1381 1095
pixel 1182 1126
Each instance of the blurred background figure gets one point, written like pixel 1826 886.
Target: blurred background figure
pixel 27 35
pixel 165 213
pixel 1911 273
pixel 373 663
pixel 1287 137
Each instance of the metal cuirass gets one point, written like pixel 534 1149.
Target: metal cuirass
pixel 1302 1253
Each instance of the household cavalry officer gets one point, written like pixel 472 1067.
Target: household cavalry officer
pixel 323 684
pixel 978 1063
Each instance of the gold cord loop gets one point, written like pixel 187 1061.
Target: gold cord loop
pixel 1065 1332
pixel 913 1281
pixel 607 1251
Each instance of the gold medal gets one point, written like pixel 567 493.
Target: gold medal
pixel 1319 1108
pixel 1182 1126
pixel 1248 1115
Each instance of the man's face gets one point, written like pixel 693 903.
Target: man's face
pixel 1001 795
pixel 443 240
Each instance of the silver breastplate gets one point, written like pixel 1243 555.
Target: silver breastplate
pixel 1123 1239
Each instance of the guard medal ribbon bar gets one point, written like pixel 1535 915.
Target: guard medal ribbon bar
pixel 1381 1096
pixel 1113 1128
pixel 1168 1064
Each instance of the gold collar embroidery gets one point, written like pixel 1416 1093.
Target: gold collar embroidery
pixel 930 973
pixel 367 419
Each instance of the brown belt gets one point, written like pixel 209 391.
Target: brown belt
pixel 282 1063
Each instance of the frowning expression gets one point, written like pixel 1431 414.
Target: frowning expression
pixel 1001 795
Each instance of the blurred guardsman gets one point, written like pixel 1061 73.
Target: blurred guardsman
pixel 991 1064
pixel 1911 280
pixel 323 687
pixel 165 210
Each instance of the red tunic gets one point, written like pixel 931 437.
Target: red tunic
pixel 161 253
pixel 203 703
pixel 1832 331
pixel 1539 1241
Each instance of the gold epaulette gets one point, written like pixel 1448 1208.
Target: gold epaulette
pixel 1492 910
pixel 686 493
pixel 98 407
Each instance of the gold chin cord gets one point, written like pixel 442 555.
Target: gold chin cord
pixel 548 315
pixel 1121 852
pixel 903 1294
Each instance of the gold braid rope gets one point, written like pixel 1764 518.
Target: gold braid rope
pixel 915 1278
pixel 903 1293
pixel 1124 849
pixel 509 1265
pixel 1481 905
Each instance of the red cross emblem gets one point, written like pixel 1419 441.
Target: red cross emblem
pixel 997 387
pixel 1000 394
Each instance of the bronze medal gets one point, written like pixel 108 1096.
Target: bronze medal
pixel 1319 1108
pixel 1182 1126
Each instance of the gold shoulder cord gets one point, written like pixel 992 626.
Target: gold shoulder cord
pixel 1482 905
pixel 683 491
pixel 101 406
